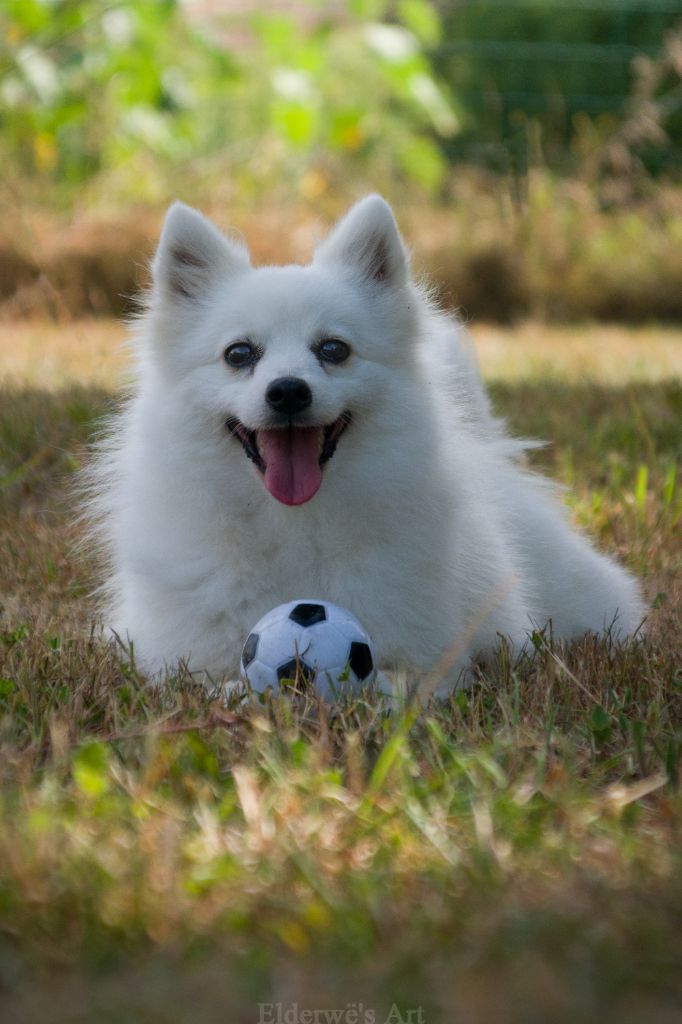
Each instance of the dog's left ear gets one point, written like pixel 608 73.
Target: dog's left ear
pixel 367 243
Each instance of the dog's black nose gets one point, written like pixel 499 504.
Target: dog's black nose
pixel 288 395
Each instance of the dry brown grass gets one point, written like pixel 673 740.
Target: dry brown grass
pixel 513 855
pixel 52 355
pixel 559 254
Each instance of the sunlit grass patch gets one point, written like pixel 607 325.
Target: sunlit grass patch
pixel 54 355
pixel 610 354
pixel 50 356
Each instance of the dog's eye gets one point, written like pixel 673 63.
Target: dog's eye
pixel 240 354
pixel 333 350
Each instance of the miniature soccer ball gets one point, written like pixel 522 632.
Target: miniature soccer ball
pixel 314 642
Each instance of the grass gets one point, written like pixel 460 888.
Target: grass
pixel 511 856
pixel 503 248
pixel 53 355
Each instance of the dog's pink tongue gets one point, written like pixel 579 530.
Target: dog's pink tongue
pixel 292 463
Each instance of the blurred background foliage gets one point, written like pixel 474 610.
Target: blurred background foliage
pixel 577 68
pixel 139 88
pixel 528 119
pixel 376 89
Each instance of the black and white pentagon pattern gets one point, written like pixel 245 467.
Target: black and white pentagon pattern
pixel 250 648
pixel 307 614
pixel 326 641
pixel 295 670
pixel 360 659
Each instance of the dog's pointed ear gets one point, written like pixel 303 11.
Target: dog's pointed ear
pixel 367 243
pixel 192 254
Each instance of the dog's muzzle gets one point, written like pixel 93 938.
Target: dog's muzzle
pixel 290 457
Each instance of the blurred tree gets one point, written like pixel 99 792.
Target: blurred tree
pixel 85 84
pixel 140 94
pixel 136 87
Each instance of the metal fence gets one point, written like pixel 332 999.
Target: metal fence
pixel 511 62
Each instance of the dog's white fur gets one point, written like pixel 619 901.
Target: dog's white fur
pixel 426 520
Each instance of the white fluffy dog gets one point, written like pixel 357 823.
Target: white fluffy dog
pixel 323 431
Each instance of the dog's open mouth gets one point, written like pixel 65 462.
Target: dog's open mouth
pixel 290 458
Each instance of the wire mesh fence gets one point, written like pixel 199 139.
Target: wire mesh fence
pixel 552 62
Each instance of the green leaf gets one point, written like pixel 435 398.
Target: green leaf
pixel 601 724
pixel 7 687
pixel 372 10
pixel 296 122
pixel 91 769
pixel 423 162
pixel 14 636
pixel 422 18
pixel 641 484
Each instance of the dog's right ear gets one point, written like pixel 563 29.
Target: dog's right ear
pixel 192 254
pixel 367 243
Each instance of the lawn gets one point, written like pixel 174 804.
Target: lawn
pixel 513 856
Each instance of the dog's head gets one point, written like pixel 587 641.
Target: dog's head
pixel 289 361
